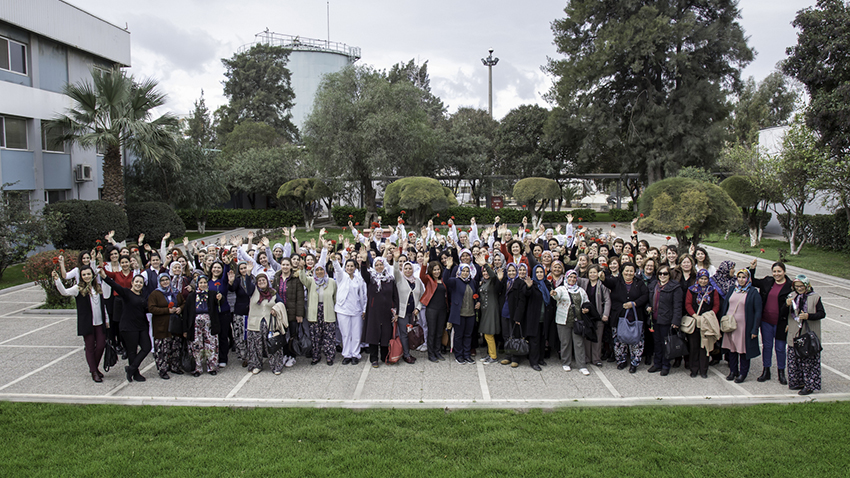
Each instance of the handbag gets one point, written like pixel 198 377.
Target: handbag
pixel 629 332
pixel 395 349
pixel 110 356
pixel 807 345
pixel 175 325
pixel 301 343
pixel 187 361
pixel 689 322
pixel 516 345
pixel 674 346
pixel 728 323
pixel 589 329
pixel 415 335
pixel 275 340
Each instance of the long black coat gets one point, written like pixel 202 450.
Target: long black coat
pixel 620 294
pixel 669 303
pixel 534 307
pixel 378 328
pixel 190 312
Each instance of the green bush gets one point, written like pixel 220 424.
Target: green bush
pixel 87 222
pixel 236 218
pixel 341 214
pixel 622 215
pixel 154 219
pixel 39 267
pixel 824 230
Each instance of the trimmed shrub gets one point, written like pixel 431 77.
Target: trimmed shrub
pixel 622 215
pixel 154 219
pixel 236 218
pixel 87 222
pixel 39 267
pixel 829 231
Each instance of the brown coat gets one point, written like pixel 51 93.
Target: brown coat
pixel 158 307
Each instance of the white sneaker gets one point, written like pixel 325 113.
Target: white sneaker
pixel 222 365
pixel 423 348
pixel 290 361
pixel 277 373
pixel 584 371
pixel 255 371
pixel 567 368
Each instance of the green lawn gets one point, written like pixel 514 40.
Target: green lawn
pixel 812 258
pixel 13 276
pixel 104 440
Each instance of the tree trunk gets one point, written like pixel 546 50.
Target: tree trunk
pixel 113 176
pixel 369 199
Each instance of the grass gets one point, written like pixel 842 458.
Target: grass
pixel 812 258
pixel 12 276
pixel 107 440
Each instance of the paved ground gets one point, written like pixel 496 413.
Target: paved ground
pixel 42 359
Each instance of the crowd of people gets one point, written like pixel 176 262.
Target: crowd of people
pixel 566 295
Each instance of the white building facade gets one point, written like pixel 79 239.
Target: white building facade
pixel 45 45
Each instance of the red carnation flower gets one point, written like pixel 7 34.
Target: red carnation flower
pixel 403 212
pixel 523 206
pixel 374 224
pixel 668 238
pixel 203 243
pixel 99 248
pixel 580 227
pixel 762 251
pixel 475 296
pixel 401 221
pixel 175 253
pixel 579 219
pixel 641 214
pixel 443 223
pixel 351 215
pixel 438 214
pixel 527 230
pixel 630 255
pixel 97 241
pixel 569 237
pixel 62 251
pixel 436 229
pixel 344 228
pixel 356 223
pixel 613 225
pixel 687 227
pixel 170 304
pixel 634 232
pixel 56 260
pixel 453 217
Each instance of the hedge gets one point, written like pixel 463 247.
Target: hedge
pixel 154 219
pixel 87 222
pixel 463 214
pixel 236 218
pixel 622 215
pixel 829 231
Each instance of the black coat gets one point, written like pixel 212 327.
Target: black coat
pixel 378 327
pixel 515 297
pixel 620 294
pixel 84 313
pixel 669 303
pixel 190 312
pixel 764 285
pixel 534 308
pixel 243 294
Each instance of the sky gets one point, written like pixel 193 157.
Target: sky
pixel 181 42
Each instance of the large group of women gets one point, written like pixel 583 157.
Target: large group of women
pixel 569 295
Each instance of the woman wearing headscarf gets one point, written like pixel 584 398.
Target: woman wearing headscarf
pixel 629 297
pixel 572 304
pixel 243 286
pixel 665 308
pixel 201 326
pixel 538 310
pixel 410 290
pixel 350 309
pixel 804 307
pixel 463 292
pixel 700 298
pixel 774 319
pixel 260 313
pixel 600 310
pixel 164 302
pixel 743 302
pixel 290 291
pixel 381 306
pixel 513 308
pixel 490 292
pixel 218 285
pixel 321 300
pixel 91 316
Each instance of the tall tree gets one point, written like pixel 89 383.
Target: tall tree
pixel 651 78
pixel 258 88
pixel 820 61
pixel 521 146
pixel 199 127
pixel 467 147
pixel 768 104
pixel 114 113
pixel 363 126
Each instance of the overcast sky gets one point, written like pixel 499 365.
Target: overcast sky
pixel 181 42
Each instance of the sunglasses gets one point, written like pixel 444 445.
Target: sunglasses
pixel 664 273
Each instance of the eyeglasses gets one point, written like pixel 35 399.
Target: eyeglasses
pixel 664 273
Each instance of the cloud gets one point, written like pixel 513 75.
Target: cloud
pixel 183 49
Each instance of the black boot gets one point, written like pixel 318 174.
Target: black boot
pixel 781 374
pixel 677 362
pixel 765 375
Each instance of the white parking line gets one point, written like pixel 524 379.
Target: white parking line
pixel 731 383
pixel 239 385
pixel 482 380
pixel 36 330
pixel 63 346
pixel 34 304
pixel 39 369
pixel 360 384
pixel 836 372
pixel 125 383
pixel 607 383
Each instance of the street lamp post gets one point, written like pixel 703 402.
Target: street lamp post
pixel 490 62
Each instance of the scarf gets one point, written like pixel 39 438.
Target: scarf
pixel 472 272
pixel 323 282
pixel 702 293
pixel 267 293
pixel 541 283
pixel 800 302
pixel 573 289
pixel 460 269
pixel 721 280
pixel 380 278
pixel 511 281
pixel 242 279
pixel 746 287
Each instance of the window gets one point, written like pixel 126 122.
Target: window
pixel 17 200
pixel 13 56
pixel 50 141
pixel 13 133
pixel 54 196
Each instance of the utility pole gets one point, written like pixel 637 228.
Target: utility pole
pixel 490 62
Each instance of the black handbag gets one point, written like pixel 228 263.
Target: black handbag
pixel 516 345
pixel 175 325
pixel 110 356
pixel 275 340
pixel 301 344
pixel 674 346
pixel 589 329
pixel 806 345
pixel 187 361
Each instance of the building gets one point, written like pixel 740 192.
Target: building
pixel 44 45
pixel 309 62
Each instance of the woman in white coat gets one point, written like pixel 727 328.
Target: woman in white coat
pixel 350 308
pixel 572 304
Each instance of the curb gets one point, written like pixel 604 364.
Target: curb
pixel 65 312
pixel 16 288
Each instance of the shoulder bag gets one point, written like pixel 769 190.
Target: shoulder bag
pixel 629 332
pixel 689 322
pixel 415 334
pixel 175 325
pixel 674 346
pixel 275 340
pixel 516 345
pixel 110 356
pixel 806 345
pixel 395 349
pixel 728 323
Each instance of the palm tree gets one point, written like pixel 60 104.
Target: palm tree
pixel 113 113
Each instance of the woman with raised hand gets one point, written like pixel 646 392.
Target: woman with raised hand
pixel 774 291
pixel 743 302
pixel 201 326
pixel 243 286
pixel 600 310
pixel 410 290
pixel 436 302
pixel 700 298
pixel 350 309
pixel 572 304
pixel 513 307
pixel 382 305
pixel 261 311
pixel 291 292
pixel 91 316
pixel 133 322
pixel 218 284
pixel 83 260
pixel 665 308
pixel 538 311
pixel 628 299
pixel 164 302
pixel 463 292
pixel 321 300
pixel 804 307
pixel 490 292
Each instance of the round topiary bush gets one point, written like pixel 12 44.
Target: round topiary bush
pixel 154 219
pixel 39 267
pixel 87 222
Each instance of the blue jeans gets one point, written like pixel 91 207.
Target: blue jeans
pixel 769 342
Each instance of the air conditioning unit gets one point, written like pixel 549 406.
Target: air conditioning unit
pixel 82 173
